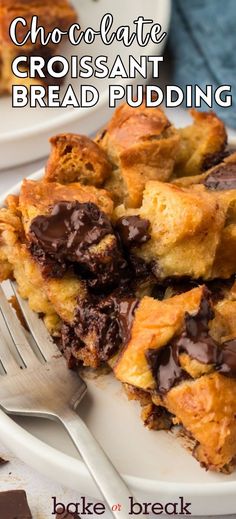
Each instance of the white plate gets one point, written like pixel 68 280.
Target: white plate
pixel 157 465
pixel 24 132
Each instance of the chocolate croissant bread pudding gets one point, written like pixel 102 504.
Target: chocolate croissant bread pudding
pixel 127 249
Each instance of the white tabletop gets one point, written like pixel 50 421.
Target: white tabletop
pixel 16 475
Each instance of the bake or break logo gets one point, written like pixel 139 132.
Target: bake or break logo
pixel 143 32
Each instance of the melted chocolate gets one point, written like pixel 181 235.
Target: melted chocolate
pixel 69 344
pixel 197 325
pixel 70 229
pixel 133 231
pixel 105 274
pixel 49 267
pixel 165 367
pixel 198 344
pixel 13 505
pixel 227 359
pixel 176 286
pixel 213 159
pixel 222 178
pixel 66 238
pixel 108 320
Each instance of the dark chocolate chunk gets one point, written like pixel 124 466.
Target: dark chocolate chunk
pixel 50 268
pixel 140 269
pixel 227 359
pixel 67 515
pixel 219 288
pixel 65 239
pixel 198 344
pixel 133 231
pixel 204 349
pixel 165 367
pixel 108 320
pixel 194 340
pixel 14 505
pixel 101 274
pixel 197 325
pixel 213 159
pixel 221 178
pixel 175 286
pixel 69 345
pixel 70 229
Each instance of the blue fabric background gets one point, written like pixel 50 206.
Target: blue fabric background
pixel 202 41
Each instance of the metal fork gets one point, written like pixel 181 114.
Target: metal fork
pixel 47 388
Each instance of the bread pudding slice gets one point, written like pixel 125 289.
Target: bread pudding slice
pixel 142 145
pixel 148 288
pixel 192 230
pixel 172 356
pixel 60 14
pixel 68 241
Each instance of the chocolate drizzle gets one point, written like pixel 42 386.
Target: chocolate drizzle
pixel 166 370
pixel 195 339
pixel 133 231
pixel 221 178
pixel 196 342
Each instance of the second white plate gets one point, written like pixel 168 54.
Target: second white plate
pixel 24 132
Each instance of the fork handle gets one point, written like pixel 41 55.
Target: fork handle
pixel 108 480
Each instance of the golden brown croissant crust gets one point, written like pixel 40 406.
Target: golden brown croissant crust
pixel 173 356
pixel 76 158
pixel 142 145
pixel 202 144
pixel 146 286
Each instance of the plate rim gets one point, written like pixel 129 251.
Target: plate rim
pixel 223 489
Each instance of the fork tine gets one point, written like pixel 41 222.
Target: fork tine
pixel 7 360
pixel 16 332
pixel 38 329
